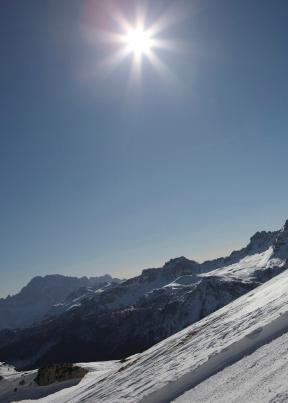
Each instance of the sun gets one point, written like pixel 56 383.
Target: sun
pixel 138 41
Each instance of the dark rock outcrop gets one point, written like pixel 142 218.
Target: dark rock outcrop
pixel 59 373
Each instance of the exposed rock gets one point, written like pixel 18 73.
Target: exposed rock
pixel 59 373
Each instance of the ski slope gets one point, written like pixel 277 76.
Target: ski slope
pixel 176 365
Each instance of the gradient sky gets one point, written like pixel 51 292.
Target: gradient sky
pixel 98 176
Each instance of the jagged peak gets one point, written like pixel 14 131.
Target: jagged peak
pixel 179 260
pixel 285 227
pixel 260 235
pixel 280 246
pixel 176 266
pixel 261 240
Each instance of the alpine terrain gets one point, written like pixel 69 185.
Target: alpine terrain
pixel 34 301
pixel 177 333
pixel 124 318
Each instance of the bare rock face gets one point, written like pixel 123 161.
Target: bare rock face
pixel 59 373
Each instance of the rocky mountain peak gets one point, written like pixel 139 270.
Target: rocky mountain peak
pixel 179 261
pixel 181 266
pixel 280 245
pixel 285 228
pixel 261 241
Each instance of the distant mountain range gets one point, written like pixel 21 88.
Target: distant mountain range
pixel 33 303
pixel 113 319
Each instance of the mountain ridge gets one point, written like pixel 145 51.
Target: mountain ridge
pixel 35 299
pixel 199 363
pixel 128 317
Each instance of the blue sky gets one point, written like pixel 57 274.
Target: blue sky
pixel 97 176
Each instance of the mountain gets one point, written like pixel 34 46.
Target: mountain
pixel 179 363
pixel 35 300
pixel 130 317
pixel 237 353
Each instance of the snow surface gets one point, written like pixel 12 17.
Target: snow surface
pixel 246 267
pixel 176 365
pixel 259 378
pixel 17 386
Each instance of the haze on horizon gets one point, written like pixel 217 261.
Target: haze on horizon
pixel 102 174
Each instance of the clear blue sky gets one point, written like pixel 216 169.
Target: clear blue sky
pixel 98 177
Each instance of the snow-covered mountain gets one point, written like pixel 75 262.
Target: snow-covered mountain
pixel 35 300
pixel 131 291
pixel 236 354
pixel 179 363
pixel 115 322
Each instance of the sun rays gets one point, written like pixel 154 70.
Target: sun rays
pixel 138 40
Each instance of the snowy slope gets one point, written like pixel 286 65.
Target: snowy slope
pixel 184 360
pixel 16 386
pixel 250 267
pixel 260 377
pixel 266 252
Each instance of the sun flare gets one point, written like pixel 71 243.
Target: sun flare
pixel 138 40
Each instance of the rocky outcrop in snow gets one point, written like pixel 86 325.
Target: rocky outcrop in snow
pixel 59 373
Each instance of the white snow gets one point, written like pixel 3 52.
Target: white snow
pixel 188 358
pixel 17 386
pixel 259 378
pixel 245 268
